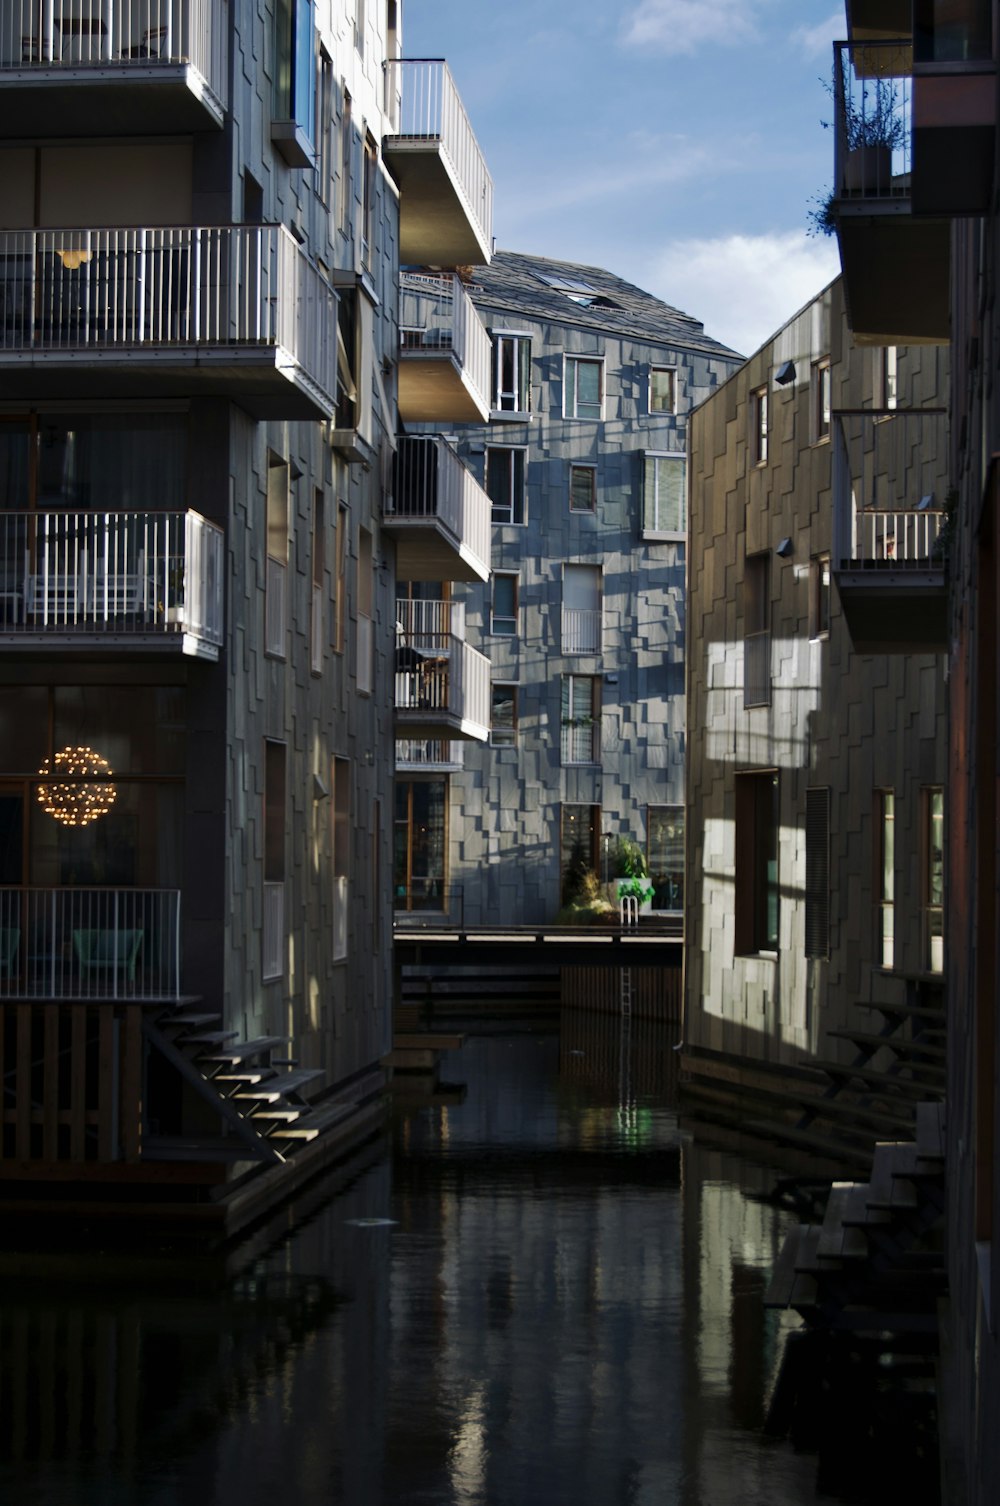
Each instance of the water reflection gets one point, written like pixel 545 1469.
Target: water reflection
pixel 543 1293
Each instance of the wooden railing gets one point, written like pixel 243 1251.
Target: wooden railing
pixel 138 34
pixel 102 944
pixel 431 110
pixel 111 573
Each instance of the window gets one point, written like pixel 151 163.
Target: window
pixel 359 26
pixel 582 621
pixel 665 855
pixel 366 625
pixel 324 126
pixel 580 719
pixel 582 488
pixel 295 64
pixel 340 579
pixel 662 389
pixel 756 862
pixel 932 881
pixel 420 844
pixel 819 596
pixel 355 347
pixel 758 426
pixel 368 202
pixel 886 377
pixel 275 827
pixel 346 166
pixel 511 373
pixel 818 872
pixel 821 399
pixel 503 717
pixel 885 876
pixel 276 564
pixel 757 630
pixel 583 388
pixel 579 836
pixel 664 495
pixel 503 617
pixel 316 623
pixel 505 484
pixel 341 817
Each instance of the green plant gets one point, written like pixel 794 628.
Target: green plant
pixel 872 115
pixel 626 859
pixel 638 888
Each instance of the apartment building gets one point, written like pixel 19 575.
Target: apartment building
pixel 920 246
pixel 575 642
pixel 202 211
pixel 816 635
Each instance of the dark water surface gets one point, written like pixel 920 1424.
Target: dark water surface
pixel 544 1293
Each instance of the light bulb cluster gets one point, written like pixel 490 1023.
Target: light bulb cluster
pixel 76 804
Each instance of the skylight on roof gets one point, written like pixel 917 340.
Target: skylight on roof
pixel 573 287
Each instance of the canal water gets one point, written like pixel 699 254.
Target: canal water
pixel 535 1289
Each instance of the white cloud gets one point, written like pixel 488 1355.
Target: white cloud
pixel 743 287
pixel 817 41
pixel 682 26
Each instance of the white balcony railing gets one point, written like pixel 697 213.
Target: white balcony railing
pixel 431 110
pixel 103 944
pixel 120 573
pixel 873 120
pixel 890 481
pixel 106 291
pixel 428 753
pixel 429 625
pixel 436 672
pixel 582 630
pixel 431 482
pixel 139 34
pixel 437 317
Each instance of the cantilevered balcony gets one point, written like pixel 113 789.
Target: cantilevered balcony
pixel 111 583
pixel 128 67
pixel 446 192
pixel 438 514
pixel 444 365
pixel 895 262
pixel 890 541
pixel 100 944
pixel 442 685
pixel 236 311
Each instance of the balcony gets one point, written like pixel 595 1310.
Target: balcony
pixel 89 944
pixel 438 514
pixel 444 365
pixel 446 192
pixel 895 262
pixel 134 68
pixel 111 582
pixel 442 686
pixel 890 484
pixel 236 312
pixel 429 754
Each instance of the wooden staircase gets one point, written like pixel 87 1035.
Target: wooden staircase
pixel 259 1097
pixel 876 1263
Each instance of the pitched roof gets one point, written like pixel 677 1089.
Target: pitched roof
pixel 537 287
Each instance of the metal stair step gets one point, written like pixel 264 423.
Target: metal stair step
pixel 878 1083
pixel 838 1239
pixel 295 1132
pixel 208 1038
pixel 272 1089
pixel 248 1049
pixel 192 1019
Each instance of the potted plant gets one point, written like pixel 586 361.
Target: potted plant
pixel 873 126
pixel 630 876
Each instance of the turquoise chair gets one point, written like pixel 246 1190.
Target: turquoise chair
pixel 100 951
pixel 10 940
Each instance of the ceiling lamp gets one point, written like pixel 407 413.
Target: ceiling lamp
pixel 83 801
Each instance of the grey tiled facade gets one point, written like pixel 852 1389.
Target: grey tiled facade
pixel 505 802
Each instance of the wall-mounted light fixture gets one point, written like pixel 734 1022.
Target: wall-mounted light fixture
pixel 785 549
pixel 785 373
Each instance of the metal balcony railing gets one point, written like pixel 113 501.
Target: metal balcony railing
pixel 428 753
pixel 436 671
pixel 430 481
pixel 63 34
pixel 437 317
pixel 873 120
pixel 429 625
pixel 103 291
pixel 890 482
pixel 430 109
pixel 109 573
pixel 102 944
pixel 582 630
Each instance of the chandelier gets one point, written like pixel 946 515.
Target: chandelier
pixel 76 804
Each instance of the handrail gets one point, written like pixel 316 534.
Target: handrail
pixel 89 943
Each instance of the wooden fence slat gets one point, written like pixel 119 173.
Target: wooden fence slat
pixel 78 1084
pixel 131 1088
pixel 107 1087
pixel 22 1084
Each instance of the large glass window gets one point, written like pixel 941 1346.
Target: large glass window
pixel 503 716
pixel 295 63
pixel 885 876
pixel 580 719
pixel 818 872
pixel 757 630
pixel 933 879
pixel 420 844
pixel 757 862
pixel 579 839
pixel 503 617
pixel 664 496
pixel 111 461
pixel 662 389
pixel 583 388
pixel 505 484
pixel 511 373
pixel 665 857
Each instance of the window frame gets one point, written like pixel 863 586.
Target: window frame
pixel 511 740
pixel 571 399
pixel 932 896
pixel 650 530
pixel 520 342
pixel 884 878
pixel 569 756
pixel 759 421
pixel 518 488
pixel 278 513
pixel 757 629
pixel 820 596
pixel 653 409
pixel 659 872
pixel 589 469
pixel 817 884
pixel 495 617
pixel 821 391
pixel 758 848
pixel 568 634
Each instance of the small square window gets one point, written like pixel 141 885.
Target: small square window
pixel 503 617
pixel 583 388
pixel 582 488
pixel 662 389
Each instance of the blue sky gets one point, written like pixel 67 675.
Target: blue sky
pixel 676 142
